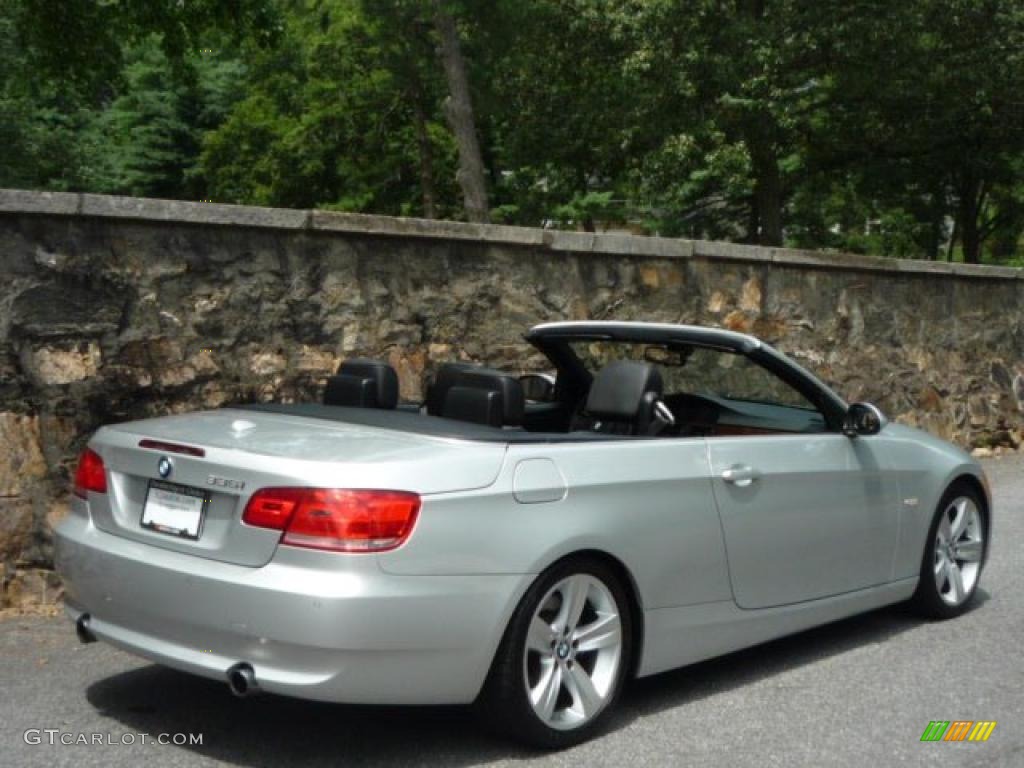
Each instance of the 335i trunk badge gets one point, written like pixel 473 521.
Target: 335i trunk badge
pixel 225 482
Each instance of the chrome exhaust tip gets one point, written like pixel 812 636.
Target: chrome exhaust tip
pixel 82 629
pixel 242 680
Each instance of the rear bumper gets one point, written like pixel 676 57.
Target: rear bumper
pixel 312 625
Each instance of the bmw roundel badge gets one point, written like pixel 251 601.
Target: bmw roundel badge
pixel 164 467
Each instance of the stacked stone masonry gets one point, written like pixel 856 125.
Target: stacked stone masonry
pixel 119 308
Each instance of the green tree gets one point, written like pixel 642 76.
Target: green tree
pixel 862 125
pixel 114 97
pixel 922 113
pixel 335 116
pixel 558 109
pixel 80 43
pixel 146 142
pixel 730 81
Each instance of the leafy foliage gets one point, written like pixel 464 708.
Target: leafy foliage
pixel 329 120
pixel 864 125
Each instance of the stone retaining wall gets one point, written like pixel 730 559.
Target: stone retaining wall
pixel 118 308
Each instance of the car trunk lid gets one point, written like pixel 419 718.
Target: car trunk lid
pixel 245 450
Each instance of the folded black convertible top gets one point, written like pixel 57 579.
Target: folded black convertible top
pixel 422 424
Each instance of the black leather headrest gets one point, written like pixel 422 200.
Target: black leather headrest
pixel 446 378
pixel 618 389
pixel 513 403
pixel 480 406
pixel 469 376
pixel 362 383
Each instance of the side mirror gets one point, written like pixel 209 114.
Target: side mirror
pixel 863 419
pixel 538 387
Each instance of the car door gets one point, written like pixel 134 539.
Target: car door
pixel 804 516
pixel 806 512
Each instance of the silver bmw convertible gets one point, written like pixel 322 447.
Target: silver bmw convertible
pixel 661 494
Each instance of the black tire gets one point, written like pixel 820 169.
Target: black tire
pixel 504 703
pixel 927 600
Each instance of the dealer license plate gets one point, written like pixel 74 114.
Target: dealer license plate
pixel 176 510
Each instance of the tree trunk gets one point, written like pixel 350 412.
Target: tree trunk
pixel 767 192
pixel 426 158
pixel 936 223
pixel 953 237
pixel 969 235
pixel 459 111
pixel 753 223
pixel 759 133
pixel 972 197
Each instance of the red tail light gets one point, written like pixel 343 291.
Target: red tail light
pixel 91 474
pixel 272 507
pixel 335 519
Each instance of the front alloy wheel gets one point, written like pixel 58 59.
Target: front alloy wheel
pixel 954 557
pixel 959 545
pixel 564 657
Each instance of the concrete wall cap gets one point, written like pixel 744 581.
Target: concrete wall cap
pixel 16 201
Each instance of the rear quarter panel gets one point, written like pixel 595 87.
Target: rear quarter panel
pixel 648 504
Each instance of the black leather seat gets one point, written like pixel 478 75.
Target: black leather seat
pixel 362 383
pixel 624 399
pixel 477 394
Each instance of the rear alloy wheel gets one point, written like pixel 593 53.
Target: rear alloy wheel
pixel 564 658
pixel 953 556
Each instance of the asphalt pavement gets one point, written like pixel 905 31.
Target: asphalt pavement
pixel 856 693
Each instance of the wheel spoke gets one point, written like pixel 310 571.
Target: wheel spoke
pixel 959 524
pixel 604 632
pixel 574 598
pixel 942 575
pixel 545 694
pixel 945 531
pixel 540 636
pixel 585 697
pixel 956 583
pixel 970 551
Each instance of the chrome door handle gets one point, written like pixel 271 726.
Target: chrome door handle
pixel 740 475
